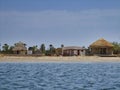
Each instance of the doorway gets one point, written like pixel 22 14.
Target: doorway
pixel 18 52
pixel 78 52
pixel 102 50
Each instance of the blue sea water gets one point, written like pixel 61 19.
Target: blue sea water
pixel 59 76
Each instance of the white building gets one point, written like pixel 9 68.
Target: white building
pixel 73 51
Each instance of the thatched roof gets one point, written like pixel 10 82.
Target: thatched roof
pixel 101 43
pixel 73 48
pixel 19 46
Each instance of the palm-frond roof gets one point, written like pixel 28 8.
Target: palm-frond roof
pixel 101 43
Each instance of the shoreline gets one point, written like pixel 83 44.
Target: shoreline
pixel 45 59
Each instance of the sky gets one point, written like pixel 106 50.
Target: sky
pixel 56 22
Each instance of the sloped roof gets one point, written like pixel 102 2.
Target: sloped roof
pixel 19 46
pixel 73 47
pixel 101 43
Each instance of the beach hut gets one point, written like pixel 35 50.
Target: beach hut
pixel 20 48
pixel 101 47
pixel 73 51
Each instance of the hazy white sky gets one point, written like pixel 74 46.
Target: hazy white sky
pixel 68 22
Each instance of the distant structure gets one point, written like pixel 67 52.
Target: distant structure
pixel 73 51
pixel 29 52
pixel 20 48
pixel 101 47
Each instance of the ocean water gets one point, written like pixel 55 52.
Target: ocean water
pixel 59 76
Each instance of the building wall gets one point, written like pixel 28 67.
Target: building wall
pixel 73 52
pixel 20 52
pixel 29 52
pixel 109 51
pixel 82 52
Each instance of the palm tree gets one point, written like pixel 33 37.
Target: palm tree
pixel 62 49
pixel 34 48
pixel 62 45
pixel 5 48
pixel 42 48
pixel 52 49
pixel 116 47
pixel 0 47
pixel 11 49
pixel 51 46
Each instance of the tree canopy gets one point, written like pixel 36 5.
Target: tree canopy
pixel 116 47
pixel 42 48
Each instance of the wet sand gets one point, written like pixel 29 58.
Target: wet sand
pixel 45 59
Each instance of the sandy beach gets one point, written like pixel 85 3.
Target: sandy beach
pixel 58 59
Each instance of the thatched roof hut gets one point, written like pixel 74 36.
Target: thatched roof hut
pixel 101 46
pixel 20 48
pixel 101 43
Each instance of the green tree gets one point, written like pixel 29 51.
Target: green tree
pixel 51 49
pixel 0 47
pixel 58 51
pixel 33 48
pixel 42 48
pixel 5 48
pixel 116 47
pixel 30 48
pixel 47 52
pixel 62 45
pixel 11 49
